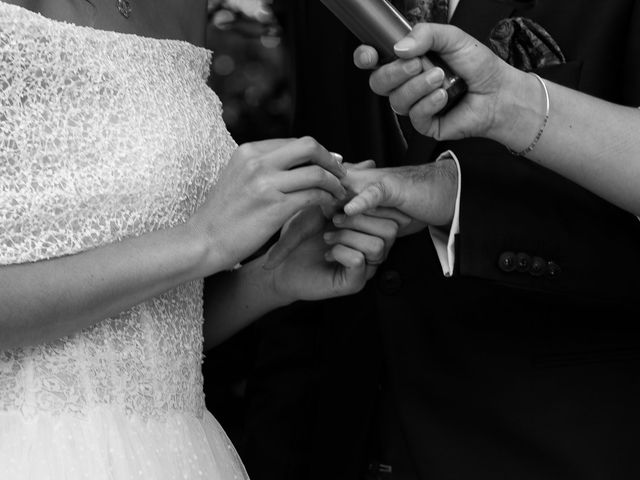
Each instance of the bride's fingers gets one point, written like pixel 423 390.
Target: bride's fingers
pixel 355 272
pixel 306 150
pixel 301 227
pixel 380 228
pixel 312 176
pixel 313 197
pixel 373 248
pixel 265 146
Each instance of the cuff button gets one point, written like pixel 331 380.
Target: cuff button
pixel 507 262
pixel 523 262
pixel 553 269
pixel 538 267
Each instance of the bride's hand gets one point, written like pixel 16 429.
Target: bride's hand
pixel 324 259
pixel 264 184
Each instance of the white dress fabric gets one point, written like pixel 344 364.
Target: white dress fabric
pixel 105 136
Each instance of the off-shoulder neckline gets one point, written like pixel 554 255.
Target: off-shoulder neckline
pixel 108 33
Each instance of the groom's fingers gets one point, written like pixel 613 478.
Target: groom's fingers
pixel 371 197
pixel 394 214
pixel 366 165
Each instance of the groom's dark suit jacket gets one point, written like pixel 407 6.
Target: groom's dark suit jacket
pixel 489 374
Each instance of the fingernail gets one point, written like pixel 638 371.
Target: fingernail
pixel 412 67
pixel 435 76
pixel 405 45
pixel 338 219
pixel 439 95
pixel 366 58
pixel 328 237
pixel 328 257
pixel 339 158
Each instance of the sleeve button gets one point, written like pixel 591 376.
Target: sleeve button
pixel 507 262
pixel 390 282
pixel 523 262
pixel 553 269
pixel 538 267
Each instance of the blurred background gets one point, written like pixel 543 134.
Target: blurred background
pixel 249 74
pixel 249 68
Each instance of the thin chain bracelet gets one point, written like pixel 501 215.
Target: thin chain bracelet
pixel 528 150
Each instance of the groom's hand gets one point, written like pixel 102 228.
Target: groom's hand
pixel 426 193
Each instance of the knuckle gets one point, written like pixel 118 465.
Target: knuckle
pixel 420 30
pixel 253 165
pixel 245 150
pixel 392 231
pixel 319 174
pixel 379 190
pixel 378 247
pixel 318 196
pixel 309 143
pixel 262 186
pixel 419 119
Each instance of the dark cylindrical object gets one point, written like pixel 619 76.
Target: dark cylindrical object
pixel 381 25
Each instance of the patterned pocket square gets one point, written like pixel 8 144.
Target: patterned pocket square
pixel 524 44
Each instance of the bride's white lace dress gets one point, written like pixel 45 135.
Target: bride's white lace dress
pixel 105 136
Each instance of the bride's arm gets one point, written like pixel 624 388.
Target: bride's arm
pixel 256 194
pixel 46 300
pixel 233 300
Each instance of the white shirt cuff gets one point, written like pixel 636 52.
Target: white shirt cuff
pixel 443 242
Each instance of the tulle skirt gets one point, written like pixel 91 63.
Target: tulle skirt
pixel 108 445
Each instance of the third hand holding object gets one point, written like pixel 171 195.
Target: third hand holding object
pixel 483 112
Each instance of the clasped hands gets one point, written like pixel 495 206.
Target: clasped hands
pixel 338 225
pixel 358 233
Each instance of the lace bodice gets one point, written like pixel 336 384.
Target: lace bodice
pixel 104 136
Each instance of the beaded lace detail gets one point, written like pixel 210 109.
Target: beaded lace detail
pixel 104 136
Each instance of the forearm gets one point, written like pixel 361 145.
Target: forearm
pixel 46 300
pixel 233 300
pixel 587 140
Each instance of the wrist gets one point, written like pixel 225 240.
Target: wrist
pixel 520 109
pixel 208 249
pixel 268 284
